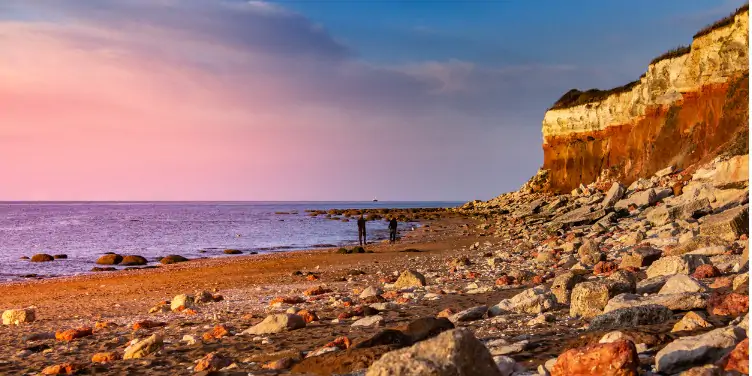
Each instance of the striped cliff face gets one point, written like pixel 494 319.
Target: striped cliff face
pixel 686 107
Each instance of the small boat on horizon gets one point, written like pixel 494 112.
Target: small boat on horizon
pixel 375 200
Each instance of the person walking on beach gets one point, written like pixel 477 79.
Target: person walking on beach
pixel 393 230
pixel 362 230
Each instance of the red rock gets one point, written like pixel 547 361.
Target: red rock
pixel 312 277
pixel 148 324
pixel 340 342
pixel 389 295
pixel 722 282
pixel 217 298
pixel 505 280
pixel 738 359
pixel 471 275
pixel 678 188
pixel 387 279
pixel 446 313
pixel 105 357
pixel 402 300
pixel 731 304
pixel 318 290
pixel 279 364
pixel 71 334
pixel 604 359
pixel 217 332
pixel 604 268
pixel 61 369
pixel 308 316
pixel 99 325
pixel 706 271
pixel 189 311
pixel 538 280
pixel 212 362
pixel 287 300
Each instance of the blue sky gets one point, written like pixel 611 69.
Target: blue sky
pixel 306 99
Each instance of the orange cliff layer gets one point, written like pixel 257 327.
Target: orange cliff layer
pixel 686 108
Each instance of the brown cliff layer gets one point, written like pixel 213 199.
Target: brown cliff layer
pixel 703 123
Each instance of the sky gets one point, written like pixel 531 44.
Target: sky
pixel 305 100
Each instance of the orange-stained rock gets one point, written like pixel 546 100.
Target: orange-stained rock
pixel 105 357
pixel 217 332
pixel 604 268
pixel 99 325
pixel 731 304
pixel 722 282
pixel 312 277
pixel 604 359
pixel 61 369
pixel 212 362
pixel 318 290
pixel 389 295
pixel 538 280
pixel 147 324
pixel 287 300
pixel 279 364
pixel 341 342
pixel 308 316
pixel 71 334
pixel 706 271
pixel 505 280
pixel 738 359
pixel 402 300
pixel 446 313
pixel 189 311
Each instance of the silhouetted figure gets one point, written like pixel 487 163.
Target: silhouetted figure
pixel 393 230
pixel 362 230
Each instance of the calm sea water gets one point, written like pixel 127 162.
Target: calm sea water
pixel 83 231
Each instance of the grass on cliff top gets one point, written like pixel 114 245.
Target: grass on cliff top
pixel 723 22
pixel 576 97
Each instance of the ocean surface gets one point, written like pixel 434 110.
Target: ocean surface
pixel 83 231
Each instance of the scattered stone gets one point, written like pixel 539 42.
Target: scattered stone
pixel 681 283
pixel 615 193
pixel 590 253
pixel 143 348
pixel 217 332
pixel 42 257
pixel 410 278
pixel 631 317
pixel 18 316
pixel 232 252
pixel 676 302
pixel 370 291
pixel 535 300
pixel 133 260
pixel 212 362
pixel 453 353
pixel 639 257
pixel 71 334
pixel 730 304
pixel 706 271
pixel 686 352
pixel 604 359
pixel 105 357
pixel 691 322
pixel 374 320
pixel 563 285
pixel 684 264
pixel 61 369
pixel 470 314
pixel 182 300
pixel 738 359
pixel 277 323
pixel 110 259
pixel 172 259
pixel 60 257
pixel 728 225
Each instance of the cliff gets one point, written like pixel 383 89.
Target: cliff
pixel 690 105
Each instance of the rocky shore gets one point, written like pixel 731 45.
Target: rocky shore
pixel 607 280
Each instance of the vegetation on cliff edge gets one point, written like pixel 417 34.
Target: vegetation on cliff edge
pixel 723 22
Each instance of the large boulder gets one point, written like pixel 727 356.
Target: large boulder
pixel 728 225
pixel 172 259
pixel 615 193
pixel 277 323
pixel 638 199
pixel 677 302
pixel 686 352
pixel 18 316
pixel 684 264
pixel 410 278
pixel 588 299
pixel 535 300
pixel 453 353
pixel 42 257
pixel 133 260
pixel 563 285
pixel 695 243
pixel 631 317
pixel 693 209
pixel 110 259
pixel 617 358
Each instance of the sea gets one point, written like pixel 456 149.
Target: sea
pixel 85 230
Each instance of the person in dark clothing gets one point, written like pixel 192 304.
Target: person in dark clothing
pixel 393 230
pixel 362 230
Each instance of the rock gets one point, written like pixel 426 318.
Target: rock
pixel 317 290
pixel 706 271
pixel 563 285
pixel 277 323
pixel 105 269
pixel 60 257
pixel 182 300
pixel 502 347
pixel 470 314
pixel 731 171
pixel 541 319
pixel 42 257
pixel 738 359
pixel 723 264
pixel 589 298
pixel 639 199
pixel 18 316
pixel 71 334
pixel 730 304
pixel 453 353
pixel 105 357
pixel 535 300
pixel 677 302
pixel 545 257
pixel 212 362
pixel 61 369
pixel 217 332
pixel 696 243
pixel 706 370
pixel 639 257
pixel 507 366
pixel 109 259
pixel 370 291
pixel 631 317
pixel 651 285
pixel 374 320
pixel 684 264
pixel 615 193
pixel 686 352
pixel 740 280
pixel 604 268
pixel 410 278
pixel 133 260
pixel 728 225
pixel 590 253
pixel 690 322
pixel 664 172
pixel 232 252
pixel 308 316
pixel 172 259
pixel 604 359
pixel 279 364
pixel 680 283
pixel 693 209
pixel 143 348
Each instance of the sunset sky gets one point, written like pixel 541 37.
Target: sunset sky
pixel 304 100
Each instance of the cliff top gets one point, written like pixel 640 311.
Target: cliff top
pixel 576 97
